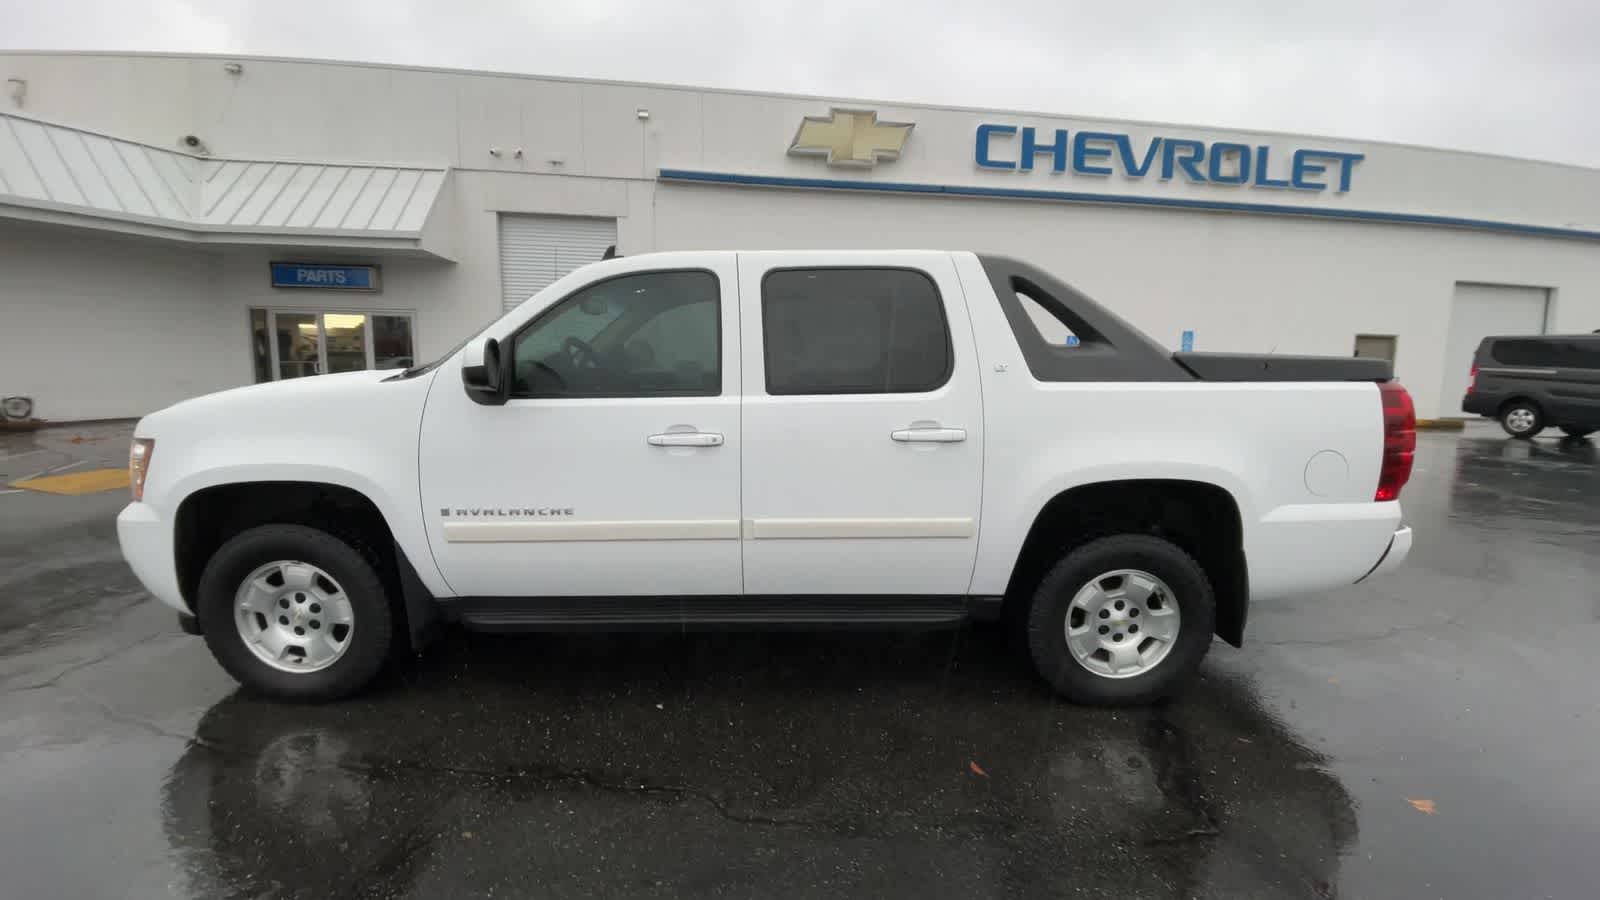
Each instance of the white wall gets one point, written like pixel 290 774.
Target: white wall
pixel 1243 283
pixel 158 322
pixel 362 112
pixel 97 327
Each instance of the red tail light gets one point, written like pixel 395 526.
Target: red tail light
pixel 1473 384
pixel 1399 440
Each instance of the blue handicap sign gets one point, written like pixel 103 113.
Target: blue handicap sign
pixel 1188 341
pixel 1072 340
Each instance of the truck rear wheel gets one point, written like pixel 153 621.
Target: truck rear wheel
pixel 295 613
pixel 1121 620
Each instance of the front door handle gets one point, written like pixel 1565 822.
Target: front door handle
pixel 685 439
pixel 935 435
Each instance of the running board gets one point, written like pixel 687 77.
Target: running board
pixel 714 613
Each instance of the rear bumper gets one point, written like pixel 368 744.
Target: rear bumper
pixel 1480 404
pixel 1307 548
pixel 1399 548
pixel 146 540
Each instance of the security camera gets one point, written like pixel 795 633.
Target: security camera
pixel 190 140
pixel 194 145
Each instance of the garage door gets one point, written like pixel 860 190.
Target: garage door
pixel 1478 311
pixel 536 250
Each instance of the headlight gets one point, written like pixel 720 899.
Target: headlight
pixel 138 464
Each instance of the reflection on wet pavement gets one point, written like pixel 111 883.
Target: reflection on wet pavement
pixel 839 765
pixel 832 765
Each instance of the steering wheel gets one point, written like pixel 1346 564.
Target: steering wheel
pixel 580 353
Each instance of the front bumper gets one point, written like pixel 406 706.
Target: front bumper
pixel 147 545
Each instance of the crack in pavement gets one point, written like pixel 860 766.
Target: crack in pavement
pixel 1204 833
pixel 54 680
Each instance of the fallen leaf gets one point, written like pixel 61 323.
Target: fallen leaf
pixel 1333 680
pixel 466 834
pixel 1423 806
pixel 976 769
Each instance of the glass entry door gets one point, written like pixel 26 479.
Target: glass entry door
pixel 299 350
pixel 345 347
pixel 291 344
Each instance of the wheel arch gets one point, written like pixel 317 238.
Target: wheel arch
pixel 1201 517
pixel 208 516
pixel 1514 399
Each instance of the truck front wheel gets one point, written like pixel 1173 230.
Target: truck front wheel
pixel 1121 620
pixel 295 613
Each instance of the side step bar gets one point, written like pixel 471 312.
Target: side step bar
pixel 713 613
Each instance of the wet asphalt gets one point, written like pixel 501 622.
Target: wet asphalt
pixel 1432 734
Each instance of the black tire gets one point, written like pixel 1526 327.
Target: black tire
pixel 370 638
pixel 1047 615
pixel 1577 432
pixel 1516 409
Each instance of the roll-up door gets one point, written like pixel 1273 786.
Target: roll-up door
pixel 536 250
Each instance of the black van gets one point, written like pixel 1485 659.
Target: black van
pixel 1529 383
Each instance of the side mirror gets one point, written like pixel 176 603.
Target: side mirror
pixel 482 374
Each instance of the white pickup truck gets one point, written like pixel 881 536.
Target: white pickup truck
pixel 775 439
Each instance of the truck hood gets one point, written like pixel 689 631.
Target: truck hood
pixel 312 400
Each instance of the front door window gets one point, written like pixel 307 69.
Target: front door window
pixel 293 344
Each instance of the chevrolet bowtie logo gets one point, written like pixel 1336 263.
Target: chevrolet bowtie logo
pixel 850 137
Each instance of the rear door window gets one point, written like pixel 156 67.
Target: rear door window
pixel 853 331
pixel 1578 354
pixel 1521 352
pixel 1551 353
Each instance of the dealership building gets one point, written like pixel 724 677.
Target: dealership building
pixel 174 225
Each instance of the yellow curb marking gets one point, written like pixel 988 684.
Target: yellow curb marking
pixel 75 483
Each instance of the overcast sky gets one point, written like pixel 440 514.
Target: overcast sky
pixel 1519 77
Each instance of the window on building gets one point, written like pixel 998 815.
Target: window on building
pixel 294 343
pixel 853 331
pixel 392 342
pixel 1375 346
pixel 653 334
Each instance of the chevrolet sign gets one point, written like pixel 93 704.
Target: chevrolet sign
pixel 1105 153
pixel 850 137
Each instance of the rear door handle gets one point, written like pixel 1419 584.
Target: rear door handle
pixel 685 439
pixel 938 435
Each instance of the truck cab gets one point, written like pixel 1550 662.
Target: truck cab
pixel 774 439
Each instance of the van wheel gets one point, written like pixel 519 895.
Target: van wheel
pixel 1121 620
pixel 1522 418
pixel 295 613
pixel 1577 432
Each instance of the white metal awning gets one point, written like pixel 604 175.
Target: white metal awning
pixel 53 173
